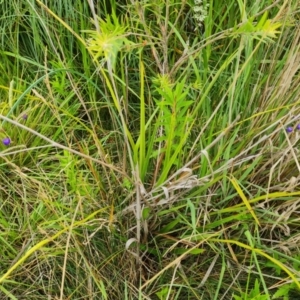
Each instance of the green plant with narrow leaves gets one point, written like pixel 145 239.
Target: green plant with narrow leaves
pixel 253 294
pixel 162 134
pixel 173 125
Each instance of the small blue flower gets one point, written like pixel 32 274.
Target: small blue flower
pixel 289 129
pixel 298 126
pixel 6 141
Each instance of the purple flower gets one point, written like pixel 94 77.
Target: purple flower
pixel 6 141
pixel 298 126
pixel 289 129
pixel 24 117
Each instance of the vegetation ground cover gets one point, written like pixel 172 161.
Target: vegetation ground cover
pixel 149 149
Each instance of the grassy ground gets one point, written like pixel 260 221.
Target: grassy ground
pixel 149 150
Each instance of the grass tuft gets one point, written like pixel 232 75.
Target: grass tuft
pixel 149 150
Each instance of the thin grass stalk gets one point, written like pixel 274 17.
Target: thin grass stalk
pixel 44 242
pixel 54 144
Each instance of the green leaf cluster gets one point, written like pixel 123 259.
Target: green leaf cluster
pixel 174 122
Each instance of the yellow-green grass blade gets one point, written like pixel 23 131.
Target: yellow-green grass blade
pixel 244 198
